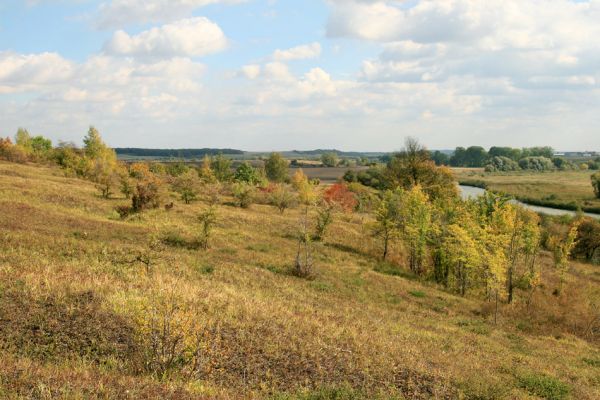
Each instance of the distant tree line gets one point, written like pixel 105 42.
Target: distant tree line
pixel 503 159
pixel 175 153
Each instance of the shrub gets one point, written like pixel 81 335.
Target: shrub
pixel 544 386
pixel 562 163
pixel 536 163
pixel 350 176
pixel 244 194
pixel 338 195
pixel 245 173
pixel 282 198
pixel 596 184
pixel 324 220
pixel 170 338
pixel 146 195
pixel 176 169
pixel 588 240
pixel 501 164
pixel 187 184
pixel 207 220
pixel 12 152
pixel 373 177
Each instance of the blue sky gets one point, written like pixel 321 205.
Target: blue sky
pixel 283 74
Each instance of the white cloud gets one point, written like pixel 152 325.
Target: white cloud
pixel 20 71
pixel 251 71
pixel 118 13
pixel 303 52
pixel 191 37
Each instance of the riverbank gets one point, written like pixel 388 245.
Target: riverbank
pixel 564 190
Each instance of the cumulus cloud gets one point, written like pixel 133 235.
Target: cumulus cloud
pixel 191 37
pixel 530 43
pixel 119 13
pixel 302 52
pixel 29 71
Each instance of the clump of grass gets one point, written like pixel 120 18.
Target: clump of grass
pixel 206 269
pixel 544 386
pixel 475 326
pixel 477 388
pixel 594 362
pixel 417 293
pixel 326 393
pixel 321 286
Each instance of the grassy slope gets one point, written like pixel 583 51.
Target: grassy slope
pixel 67 305
pixel 562 189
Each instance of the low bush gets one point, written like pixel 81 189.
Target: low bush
pixel 536 164
pixel 501 164
pixel 244 194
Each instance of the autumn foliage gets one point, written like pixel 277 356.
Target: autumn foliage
pixel 339 195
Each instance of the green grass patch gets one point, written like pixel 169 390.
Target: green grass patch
pixel 594 362
pixel 475 326
pixel 417 294
pixel 544 386
pixel 327 393
pixel 321 286
pixel 206 269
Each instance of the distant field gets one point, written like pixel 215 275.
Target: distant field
pixel 564 189
pixel 326 175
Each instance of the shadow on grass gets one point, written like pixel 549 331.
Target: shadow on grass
pixel 347 249
pixel 388 268
pixel 174 239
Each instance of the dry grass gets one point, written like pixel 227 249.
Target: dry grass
pixel 71 302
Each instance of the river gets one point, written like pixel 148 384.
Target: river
pixel 469 192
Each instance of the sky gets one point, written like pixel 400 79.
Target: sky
pixel 262 75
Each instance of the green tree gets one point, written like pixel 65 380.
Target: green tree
pixel 93 147
pixel 221 167
pixel 23 138
pixel 247 174
pixel 508 152
pixel 475 157
pixel 413 167
pixel 440 158
pixel 40 145
pixel 276 168
pixel 330 159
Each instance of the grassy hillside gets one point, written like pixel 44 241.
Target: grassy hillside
pixel 78 310
pixel 564 189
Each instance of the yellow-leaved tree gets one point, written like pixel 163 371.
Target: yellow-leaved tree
pixel 102 161
pixel 416 226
